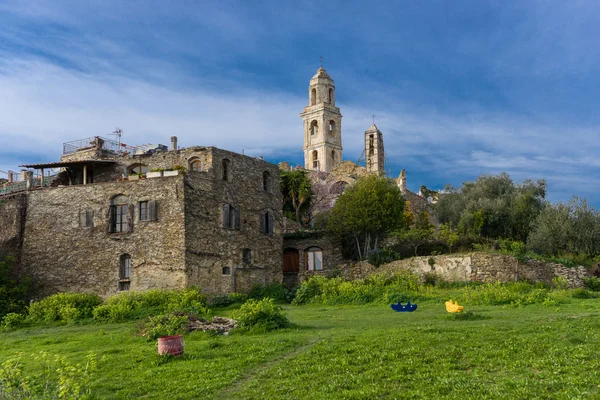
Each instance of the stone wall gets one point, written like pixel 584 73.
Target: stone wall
pixel 64 256
pixel 484 267
pixel 210 246
pixel 13 211
pixel 332 257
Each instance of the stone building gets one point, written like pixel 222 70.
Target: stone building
pixel 118 218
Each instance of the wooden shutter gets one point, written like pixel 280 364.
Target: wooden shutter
pixel 111 219
pixel 130 209
pixel 226 216
pixel 271 220
pixel 151 210
pixel 236 215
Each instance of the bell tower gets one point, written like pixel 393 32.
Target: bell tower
pixel 374 154
pixel 322 125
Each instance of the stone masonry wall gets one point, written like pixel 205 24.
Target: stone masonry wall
pixel 483 267
pixel 63 256
pixel 332 255
pixel 12 217
pixel 210 246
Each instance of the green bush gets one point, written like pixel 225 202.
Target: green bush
pixel 225 300
pixel 558 282
pixel 592 283
pixel 581 293
pixel 65 307
pixel 275 291
pixel 164 325
pixel 136 305
pixel 12 321
pixel 260 316
pixel 13 289
pixel 382 256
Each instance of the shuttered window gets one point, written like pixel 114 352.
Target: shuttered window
pixel 86 218
pixel 231 217
pixel 147 210
pixel 266 223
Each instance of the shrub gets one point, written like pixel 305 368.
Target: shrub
pixel 225 300
pixel 135 305
pixel 65 307
pixel 558 282
pixel 581 293
pixel 382 256
pixel 13 290
pixel 164 325
pixel 275 291
pixel 12 321
pixel 592 283
pixel 260 315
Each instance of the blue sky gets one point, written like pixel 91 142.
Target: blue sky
pixel 459 88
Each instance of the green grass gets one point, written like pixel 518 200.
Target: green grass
pixel 349 352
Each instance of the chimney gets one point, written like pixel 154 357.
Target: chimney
pixel 173 142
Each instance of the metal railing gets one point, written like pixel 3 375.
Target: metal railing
pixel 96 142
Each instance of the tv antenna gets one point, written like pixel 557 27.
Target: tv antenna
pixel 118 133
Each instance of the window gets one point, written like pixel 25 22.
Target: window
pixel 330 96
pixel 315 158
pixel 196 165
pixel 231 217
pixel 138 169
pixel 120 215
pixel 313 97
pixel 124 272
pixel 226 271
pixel 314 259
pixel 332 127
pixel 86 218
pixel 314 127
pixel 247 257
pixel 147 210
pixel 266 223
pixel 266 182
pixel 226 170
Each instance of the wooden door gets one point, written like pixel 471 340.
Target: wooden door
pixel 291 261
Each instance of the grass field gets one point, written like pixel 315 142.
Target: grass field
pixel 350 352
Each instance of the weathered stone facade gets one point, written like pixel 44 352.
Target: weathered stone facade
pixel 484 267
pixel 331 257
pixel 216 226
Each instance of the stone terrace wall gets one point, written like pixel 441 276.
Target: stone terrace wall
pixel 13 210
pixel 210 246
pixel 62 256
pixel 483 267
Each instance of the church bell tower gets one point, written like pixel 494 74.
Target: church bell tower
pixel 322 125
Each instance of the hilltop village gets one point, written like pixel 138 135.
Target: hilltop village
pixel 118 217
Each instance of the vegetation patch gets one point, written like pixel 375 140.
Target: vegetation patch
pixel 260 316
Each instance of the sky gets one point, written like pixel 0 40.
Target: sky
pixel 458 88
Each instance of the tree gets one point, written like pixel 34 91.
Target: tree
pixel 416 237
pixel 296 190
pixel 366 212
pixel 13 289
pixel 448 235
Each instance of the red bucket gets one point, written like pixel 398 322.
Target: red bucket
pixel 170 345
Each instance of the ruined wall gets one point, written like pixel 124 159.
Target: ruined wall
pixel 209 246
pixel 63 256
pixel 13 211
pixel 484 267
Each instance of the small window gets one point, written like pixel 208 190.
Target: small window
pixel 125 272
pixel 313 97
pixel 120 215
pixel 247 257
pixel 147 210
pixel 196 165
pixel 330 96
pixel 138 169
pixel 226 166
pixel 266 182
pixel 315 158
pixel 332 127
pixel 266 223
pixel 226 271
pixel 314 127
pixel 231 217
pixel 86 218
pixel 314 259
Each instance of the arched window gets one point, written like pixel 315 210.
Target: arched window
pixel 313 97
pixel 330 96
pixel 315 159
pixel 195 165
pixel 137 169
pixel 125 266
pixel 332 157
pixel 120 218
pixel 266 182
pixel 314 258
pixel 314 127
pixel 226 166
pixel 332 127
pixel 247 257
